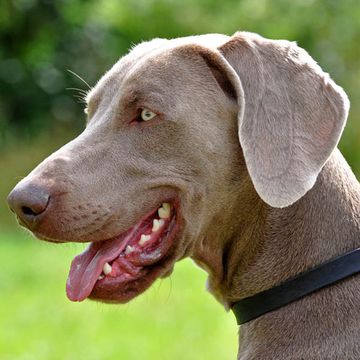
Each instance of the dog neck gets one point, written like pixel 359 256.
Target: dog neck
pixel 272 245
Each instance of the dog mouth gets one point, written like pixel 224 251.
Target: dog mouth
pixel 118 269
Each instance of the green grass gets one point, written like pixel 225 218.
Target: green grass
pixel 176 319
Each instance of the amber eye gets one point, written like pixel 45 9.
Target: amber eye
pixel 147 115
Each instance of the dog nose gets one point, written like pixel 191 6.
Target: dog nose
pixel 28 201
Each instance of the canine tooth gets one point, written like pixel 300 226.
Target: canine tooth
pixel 164 211
pixel 157 224
pixel 129 249
pixel 107 268
pixel 101 277
pixel 144 239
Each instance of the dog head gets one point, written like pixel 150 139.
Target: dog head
pixel 182 137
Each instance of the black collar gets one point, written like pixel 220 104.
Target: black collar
pixel 293 289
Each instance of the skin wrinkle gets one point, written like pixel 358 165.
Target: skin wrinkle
pixel 253 213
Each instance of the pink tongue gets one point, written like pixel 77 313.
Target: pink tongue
pixel 87 267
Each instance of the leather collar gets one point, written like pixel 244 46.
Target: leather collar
pixel 296 288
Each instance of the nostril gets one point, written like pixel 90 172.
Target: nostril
pixel 28 201
pixel 28 211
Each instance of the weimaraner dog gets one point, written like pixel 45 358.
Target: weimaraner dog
pixel 218 148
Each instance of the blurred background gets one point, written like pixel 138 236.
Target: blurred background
pixel 40 40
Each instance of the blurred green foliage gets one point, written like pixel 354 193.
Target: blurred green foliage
pixel 39 41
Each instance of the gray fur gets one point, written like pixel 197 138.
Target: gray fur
pixel 254 212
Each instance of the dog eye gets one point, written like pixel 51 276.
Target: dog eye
pixel 147 115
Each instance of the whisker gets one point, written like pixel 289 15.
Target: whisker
pixel 81 91
pixel 170 289
pixel 80 98
pixel 80 95
pixel 79 77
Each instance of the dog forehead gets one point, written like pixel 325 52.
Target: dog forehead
pixel 150 56
pixel 159 52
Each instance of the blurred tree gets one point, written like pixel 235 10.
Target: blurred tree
pixel 41 39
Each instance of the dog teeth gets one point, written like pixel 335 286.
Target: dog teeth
pixel 164 211
pixel 157 224
pixel 107 268
pixel 129 249
pixel 101 277
pixel 144 239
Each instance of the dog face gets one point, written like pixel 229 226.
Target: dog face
pixel 147 177
pixel 159 169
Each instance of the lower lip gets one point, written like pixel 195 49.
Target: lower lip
pixel 124 287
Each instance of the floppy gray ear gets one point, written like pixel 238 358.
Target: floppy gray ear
pixel 292 119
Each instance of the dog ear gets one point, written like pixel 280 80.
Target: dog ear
pixel 291 114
